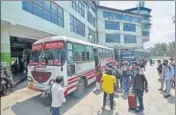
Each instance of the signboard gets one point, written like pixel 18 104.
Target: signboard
pixel 54 45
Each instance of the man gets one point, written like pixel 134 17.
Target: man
pixel 126 83
pixel 159 68
pixel 160 72
pixel 151 61
pixel 140 84
pixel 168 77
pixel 120 77
pixel 108 83
pixel 172 65
pixel 57 94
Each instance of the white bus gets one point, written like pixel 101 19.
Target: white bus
pixel 71 58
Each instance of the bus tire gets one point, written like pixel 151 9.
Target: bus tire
pixel 80 89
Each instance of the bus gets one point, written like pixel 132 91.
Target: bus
pixel 75 60
pixel 136 54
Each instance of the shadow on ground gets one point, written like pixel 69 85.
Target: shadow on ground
pixel 106 112
pixel 34 105
pixel 171 99
pixel 134 112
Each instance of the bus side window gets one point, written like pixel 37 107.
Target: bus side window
pixel 70 60
pixel 88 53
pixel 78 52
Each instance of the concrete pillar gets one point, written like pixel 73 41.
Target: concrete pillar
pixel 5 45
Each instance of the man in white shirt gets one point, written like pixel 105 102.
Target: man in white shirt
pixel 168 77
pixel 58 98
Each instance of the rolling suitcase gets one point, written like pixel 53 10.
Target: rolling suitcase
pixel 132 101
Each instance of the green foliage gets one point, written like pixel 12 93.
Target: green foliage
pixel 162 49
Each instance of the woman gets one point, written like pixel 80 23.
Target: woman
pixel 98 77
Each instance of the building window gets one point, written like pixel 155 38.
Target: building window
pixel 47 15
pixel 119 16
pixel 128 18
pixel 137 19
pixel 93 7
pixel 145 33
pixel 112 25
pixel 109 15
pixel 90 18
pixel 113 38
pixel 46 10
pixel 92 33
pixel 105 14
pixel 76 26
pixel 129 27
pixel 130 39
pixel 38 10
pixel 28 6
pixel 78 6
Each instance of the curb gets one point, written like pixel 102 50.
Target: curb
pixel 20 81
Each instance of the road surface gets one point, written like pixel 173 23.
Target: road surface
pixel 27 102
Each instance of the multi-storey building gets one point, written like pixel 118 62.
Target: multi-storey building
pixel 23 22
pixel 119 29
pixel 146 21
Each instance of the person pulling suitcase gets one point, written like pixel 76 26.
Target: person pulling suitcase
pixel 140 85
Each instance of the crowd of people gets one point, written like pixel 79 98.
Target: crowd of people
pixel 131 77
pixel 121 76
pixel 167 73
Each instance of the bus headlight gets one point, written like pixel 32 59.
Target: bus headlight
pixel 29 78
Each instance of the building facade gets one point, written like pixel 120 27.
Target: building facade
pixel 119 29
pixel 146 21
pixel 123 29
pixel 23 22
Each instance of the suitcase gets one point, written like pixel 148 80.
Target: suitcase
pixel 132 101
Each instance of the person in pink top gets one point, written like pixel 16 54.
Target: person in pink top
pixel 98 77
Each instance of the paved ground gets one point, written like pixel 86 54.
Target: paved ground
pixel 27 102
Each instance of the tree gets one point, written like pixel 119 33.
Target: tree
pixel 171 47
pixel 159 49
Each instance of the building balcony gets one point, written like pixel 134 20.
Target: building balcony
pixel 146 29
pixel 147 15
pixel 146 22
pixel 145 39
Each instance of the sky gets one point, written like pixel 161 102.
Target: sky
pixel 163 29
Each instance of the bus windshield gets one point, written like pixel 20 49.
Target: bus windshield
pixel 49 53
pixel 54 56
pixel 35 55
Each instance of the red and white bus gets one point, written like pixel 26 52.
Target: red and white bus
pixel 74 59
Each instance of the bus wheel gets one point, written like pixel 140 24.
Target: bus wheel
pixel 80 89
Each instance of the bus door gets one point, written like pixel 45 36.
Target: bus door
pixel 96 58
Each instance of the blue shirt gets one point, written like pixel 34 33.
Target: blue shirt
pixel 167 73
